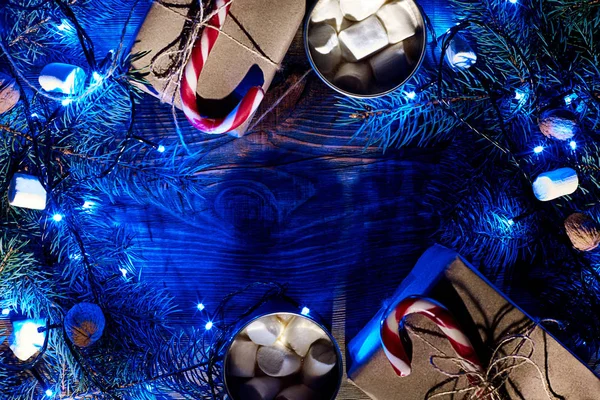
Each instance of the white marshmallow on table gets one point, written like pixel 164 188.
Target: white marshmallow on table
pixel 278 360
pixel 328 12
pixel 26 191
pixel 554 184
pixel 391 64
pixel 459 54
pixel 62 78
pixel 353 77
pixel 265 331
pixel 300 334
pixel 321 359
pixel 363 39
pixel 399 20
pixel 262 388
pixel 297 392
pixel 242 358
pixel 358 10
pixel 325 47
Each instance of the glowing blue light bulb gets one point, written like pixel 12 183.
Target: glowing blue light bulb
pixel 519 95
pixel 411 95
pixel 64 25
pixel 573 144
pixel 200 307
pixel 569 98
pixel 208 326
pixel 49 392
pixel 66 102
pixel 57 217
pixel 96 77
pixel 305 311
pixel 88 204
pixel 5 311
pixel 510 222
pixel 538 149
pixel 161 149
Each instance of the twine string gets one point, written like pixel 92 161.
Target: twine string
pixel 179 57
pixel 486 384
pixel 173 72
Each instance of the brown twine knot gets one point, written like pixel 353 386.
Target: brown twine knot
pixel 168 64
pixel 486 384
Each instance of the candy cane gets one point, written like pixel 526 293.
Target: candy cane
pixel 394 348
pixel 189 83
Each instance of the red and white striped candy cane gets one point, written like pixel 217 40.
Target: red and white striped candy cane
pixel 392 343
pixel 202 48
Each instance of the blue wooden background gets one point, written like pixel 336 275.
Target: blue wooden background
pixel 295 201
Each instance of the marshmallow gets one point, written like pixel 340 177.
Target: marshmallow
pixel 357 10
pixel 321 359
pixel 242 358
pixel 353 77
pixel 325 47
pixel 328 12
pixel 263 388
pixel 285 318
pixel 459 54
pixel 26 191
pixel 300 334
pixel 62 78
pixel 554 184
pixel 399 20
pixel 265 331
pixel 392 64
pixel 26 339
pixel 363 39
pixel 297 392
pixel 278 360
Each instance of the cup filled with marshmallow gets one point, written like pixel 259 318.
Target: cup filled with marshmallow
pixel 365 48
pixel 283 356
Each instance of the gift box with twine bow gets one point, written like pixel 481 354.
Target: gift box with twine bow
pixel 520 360
pixel 248 52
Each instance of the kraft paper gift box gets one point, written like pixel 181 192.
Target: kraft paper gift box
pixel 256 36
pixel 486 316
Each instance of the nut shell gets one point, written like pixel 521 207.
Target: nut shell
pixel 9 93
pixel 84 324
pixel 583 231
pixel 559 124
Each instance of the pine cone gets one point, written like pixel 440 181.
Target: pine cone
pixel 559 124
pixel 84 324
pixel 9 93
pixel 583 231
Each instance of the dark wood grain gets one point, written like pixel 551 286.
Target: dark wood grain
pixel 295 201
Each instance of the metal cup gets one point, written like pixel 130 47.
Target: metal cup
pixel 329 390
pixel 378 90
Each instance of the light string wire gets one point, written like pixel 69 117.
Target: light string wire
pixel 44 163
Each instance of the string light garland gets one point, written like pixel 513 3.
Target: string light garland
pixel 494 223
pixel 509 117
pixel 80 146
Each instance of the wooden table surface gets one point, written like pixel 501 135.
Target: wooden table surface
pixel 294 201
